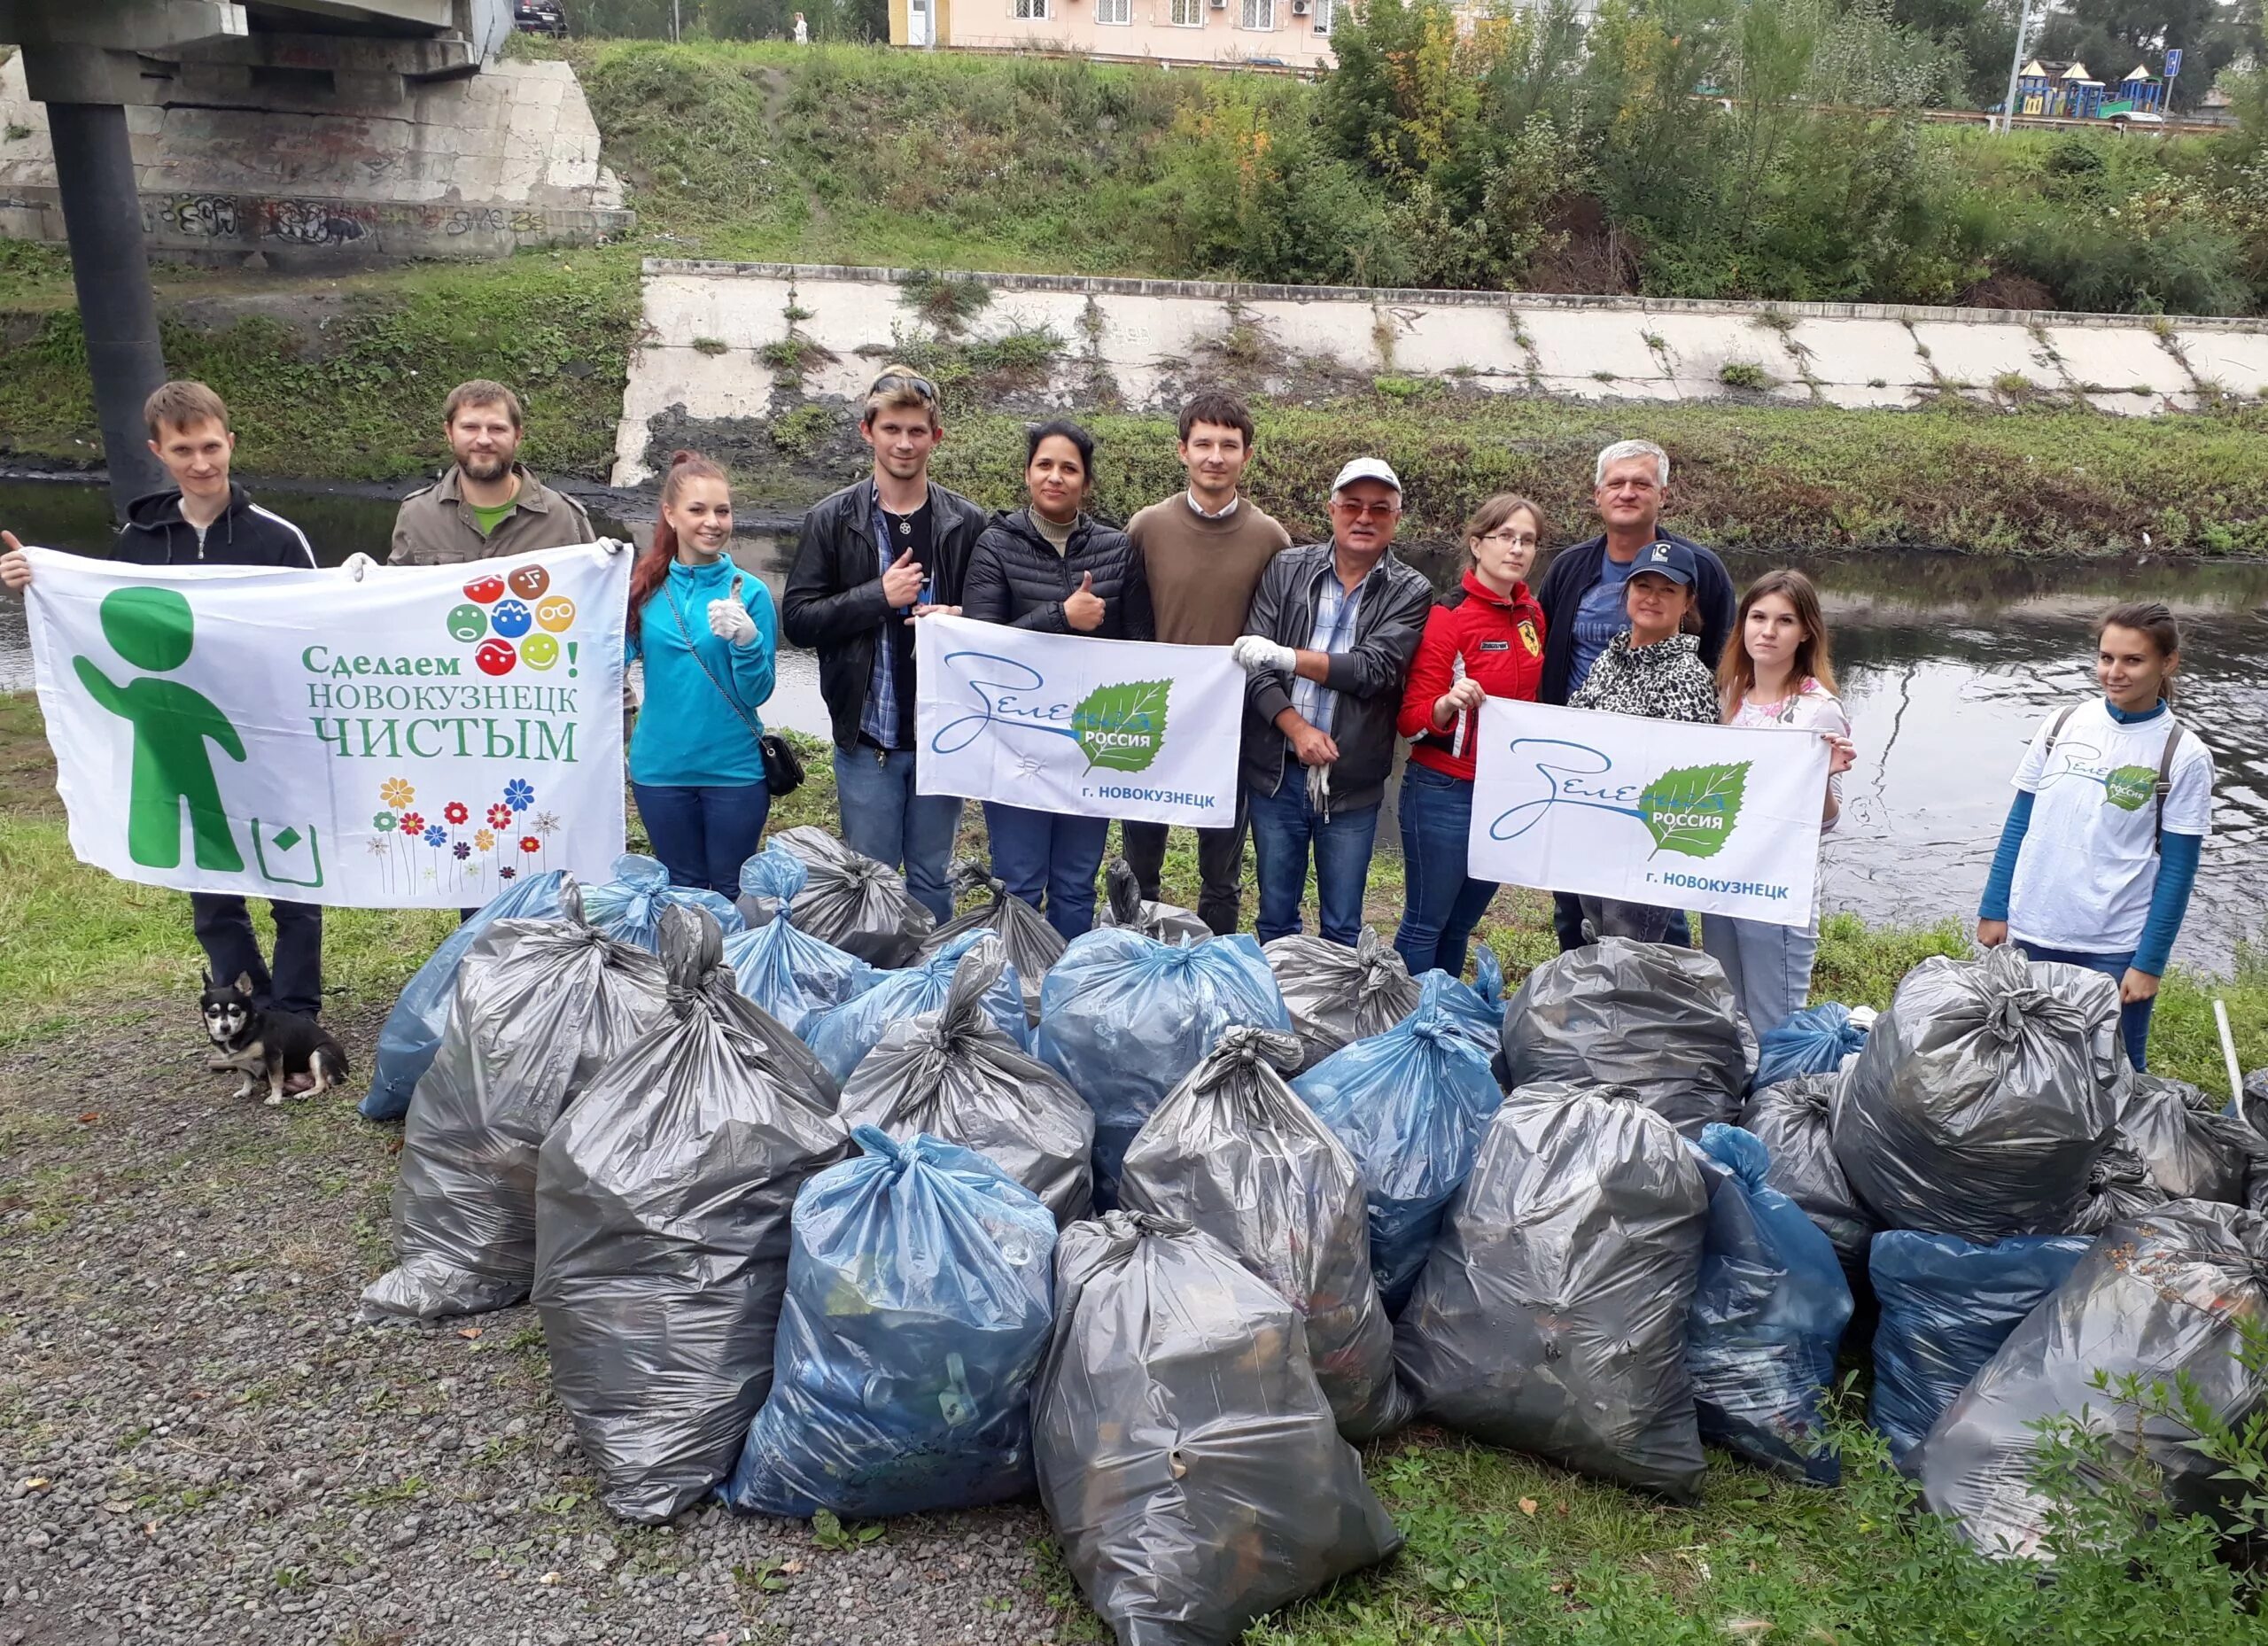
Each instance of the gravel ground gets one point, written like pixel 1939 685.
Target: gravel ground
pixel 197 1442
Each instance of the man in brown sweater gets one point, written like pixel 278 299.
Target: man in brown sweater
pixel 1204 549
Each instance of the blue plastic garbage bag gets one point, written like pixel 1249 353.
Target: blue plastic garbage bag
pixel 1815 1041
pixel 1471 1012
pixel 845 1035
pixel 783 969
pixel 1125 1018
pixel 919 1303
pixel 1410 1105
pixel 412 1031
pixel 1767 1317
pixel 628 908
pixel 1948 1306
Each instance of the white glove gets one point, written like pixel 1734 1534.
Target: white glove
pixel 614 545
pixel 728 619
pixel 1254 653
pixel 358 566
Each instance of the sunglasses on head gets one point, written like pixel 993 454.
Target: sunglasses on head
pixel 890 381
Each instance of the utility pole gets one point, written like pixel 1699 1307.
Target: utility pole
pixel 2015 66
pixel 674 34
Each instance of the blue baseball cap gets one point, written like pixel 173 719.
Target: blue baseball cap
pixel 1665 559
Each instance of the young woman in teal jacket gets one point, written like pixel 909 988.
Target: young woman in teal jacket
pixel 706 632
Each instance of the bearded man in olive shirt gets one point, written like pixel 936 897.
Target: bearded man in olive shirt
pixel 1204 550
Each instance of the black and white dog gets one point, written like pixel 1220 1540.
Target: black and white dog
pixel 257 1043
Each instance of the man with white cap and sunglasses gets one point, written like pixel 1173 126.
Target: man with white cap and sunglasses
pixel 1329 640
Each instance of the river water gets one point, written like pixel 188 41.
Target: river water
pixel 1946 662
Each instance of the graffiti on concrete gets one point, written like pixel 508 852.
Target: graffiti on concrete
pixel 310 223
pixel 369 227
pixel 205 216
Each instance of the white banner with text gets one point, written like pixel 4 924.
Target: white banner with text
pixel 417 739
pixel 1714 818
pixel 1063 722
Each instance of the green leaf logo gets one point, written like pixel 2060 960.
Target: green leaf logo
pixel 2130 787
pixel 1122 726
pixel 1692 809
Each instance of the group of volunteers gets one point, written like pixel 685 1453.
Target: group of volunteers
pixel 1347 650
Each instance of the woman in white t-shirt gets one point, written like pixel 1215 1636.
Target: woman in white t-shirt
pixel 1779 674
pixel 2114 800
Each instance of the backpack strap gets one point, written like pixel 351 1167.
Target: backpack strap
pixel 2166 783
pixel 2056 727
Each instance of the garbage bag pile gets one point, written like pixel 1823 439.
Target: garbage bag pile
pixel 628 908
pixel 1983 1096
pixel 1813 1041
pixel 1553 1315
pixel 412 1031
pixel 860 905
pixel 1124 905
pixel 2118 1187
pixel 1651 1018
pixel 843 1036
pixel 2167 1296
pixel 1124 1018
pixel 541 1006
pixel 1232 1151
pixel 919 1303
pixel 662 1230
pixel 1338 995
pixel 1187 1458
pixel 1947 1304
pixel 1767 1314
pixel 2191 1148
pixel 1410 1105
pixel 789 973
pixel 1033 946
pixel 955 1074
pixel 1792 1119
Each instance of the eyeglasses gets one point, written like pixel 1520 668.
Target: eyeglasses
pixel 893 380
pixel 1510 536
pixel 1354 510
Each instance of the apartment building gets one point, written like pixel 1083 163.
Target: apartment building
pixel 1293 33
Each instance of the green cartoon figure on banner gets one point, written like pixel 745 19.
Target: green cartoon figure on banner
pixel 153 629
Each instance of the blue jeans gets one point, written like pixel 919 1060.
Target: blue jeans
pixel 882 817
pixel 1047 857
pixel 1284 829
pixel 703 834
pixel 1768 966
pixel 1442 904
pixel 2134 1021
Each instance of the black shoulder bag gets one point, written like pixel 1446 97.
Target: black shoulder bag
pixel 783 767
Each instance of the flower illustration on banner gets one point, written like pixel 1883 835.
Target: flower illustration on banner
pixel 463 850
pixel 499 817
pixel 396 793
pixel 436 835
pixel 483 841
pixel 506 872
pixel 529 842
pixel 455 811
pixel 384 822
pixel 412 823
pixel 520 793
pixel 547 823
pixel 379 848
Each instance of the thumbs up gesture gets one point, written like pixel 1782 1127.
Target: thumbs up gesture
pixel 729 620
pixel 1084 610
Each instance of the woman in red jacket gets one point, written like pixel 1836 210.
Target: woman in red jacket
pixel 1484 638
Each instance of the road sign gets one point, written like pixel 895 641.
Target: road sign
pixel 2173 62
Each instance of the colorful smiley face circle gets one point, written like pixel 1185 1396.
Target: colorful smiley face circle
pixel 486 590
pixel 512 618
pixel 467 623
pixel 538 651
pixel 496 656
pixel 530 581
pixel 555 613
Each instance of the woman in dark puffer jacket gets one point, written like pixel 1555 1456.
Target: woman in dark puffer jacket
pixel 1049 568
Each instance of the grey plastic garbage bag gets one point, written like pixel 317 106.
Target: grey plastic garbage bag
pixel 1947 1305
pixel 860 905
pixel 1552 1316
pixel 1124 905
pixel 918 1305
pixel 1652 1017
pixel 541 1006
pixel 953 1074
pixel 629 906
pixel 2118 1187
pixel 412 1031
pixel 661 1231
pixel 2192 1147
pixel 1234 1151
pixel 2166 1295
pixel 1338 995
pixel 1792 1119
pixel 1124 1018
pixel 1032 945
pixel 1983 1096
pixel 843 1037
pixel 1188 1461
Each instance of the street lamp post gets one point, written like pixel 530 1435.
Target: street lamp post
pixel 2016 67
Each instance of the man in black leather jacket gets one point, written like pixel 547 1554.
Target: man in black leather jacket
pixel 871 558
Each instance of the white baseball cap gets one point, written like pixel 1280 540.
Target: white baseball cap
pixel 1366 468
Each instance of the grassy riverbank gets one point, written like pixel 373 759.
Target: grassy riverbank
pixel 1501 1547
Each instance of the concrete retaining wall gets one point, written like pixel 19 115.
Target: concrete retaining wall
pixel 710 324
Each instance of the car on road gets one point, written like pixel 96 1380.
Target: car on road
pixel 539 17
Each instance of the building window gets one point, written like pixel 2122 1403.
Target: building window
pixel 1259 13
pixel 1031 10
pixel 1114 11
pixel 1322 8
pixel 1189 13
